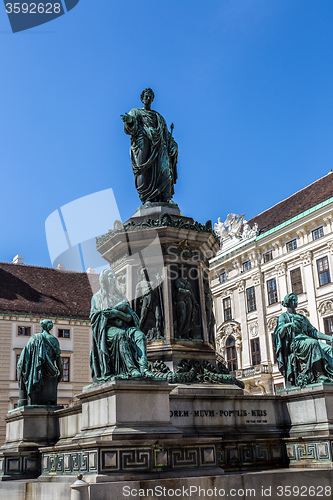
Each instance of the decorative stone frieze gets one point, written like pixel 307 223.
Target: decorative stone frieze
pixel 241 286
pixel 306 258
pixel 257 278
pixel 325 307
pixel 330 245
pixel 254 329
pixel 281 269
pixel 303 311
pixel 271 323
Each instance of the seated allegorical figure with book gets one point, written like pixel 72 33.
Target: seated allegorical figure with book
pixel 302 358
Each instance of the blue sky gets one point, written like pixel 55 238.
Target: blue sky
pixel 247 83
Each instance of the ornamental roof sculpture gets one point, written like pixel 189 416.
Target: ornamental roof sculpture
pixel 234 229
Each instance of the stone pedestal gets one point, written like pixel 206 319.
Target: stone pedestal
pixel 122 429
pixel 252 428
pixel 173 250
pixel 27 428
pixel 310 440
pixel 126 409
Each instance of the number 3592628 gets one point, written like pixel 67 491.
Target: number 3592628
pixel 33 8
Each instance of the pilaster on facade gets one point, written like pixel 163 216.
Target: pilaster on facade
pixel 237 265
pixel 328 219
pixel 281 270
pixel 302 236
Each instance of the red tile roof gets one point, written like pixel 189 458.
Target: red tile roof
pixel 306 198
pixel 45 292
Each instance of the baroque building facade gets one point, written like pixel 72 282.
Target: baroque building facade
pixel 288 247
pixel 29 294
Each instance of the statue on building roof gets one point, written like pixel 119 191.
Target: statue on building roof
pixel 302 358
pixel 39 368
pixel 154 151
pixel 235 227
pixel 118 346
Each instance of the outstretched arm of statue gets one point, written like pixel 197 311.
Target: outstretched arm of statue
pixel 129 123
pixel 323 336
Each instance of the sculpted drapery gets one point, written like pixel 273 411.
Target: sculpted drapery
pixel 301 357
pixel 39 368
pixel 118 345
pixel 154 152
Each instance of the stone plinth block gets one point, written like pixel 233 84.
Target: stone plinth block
pixel 31 426
pixel 310 410
pixel 125 409
pixel 27 428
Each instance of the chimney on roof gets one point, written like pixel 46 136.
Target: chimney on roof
pixel 61 267
pixel 91 270
pixel 18 259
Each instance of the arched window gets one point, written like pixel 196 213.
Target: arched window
pixel 231 355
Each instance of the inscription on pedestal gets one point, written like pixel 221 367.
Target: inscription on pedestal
pixel 248 416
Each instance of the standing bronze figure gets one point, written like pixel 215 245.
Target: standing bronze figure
pixel 154 152
pixel 39 368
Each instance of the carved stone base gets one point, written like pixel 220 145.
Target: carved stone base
pixel 27 428
pixel 123 460
pixel 251 428
pixel 122 428
pixel 310 411
pixel 310 452
pixel 124 410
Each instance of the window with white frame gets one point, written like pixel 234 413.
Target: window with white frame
pixel 24 331
pixel 271 291
pixel 323 271
pixel 246 265
pixel 291 245
pixel 231 354
pixel 251 299
pixel 223 277
pixel 317 233
pixel 66 368
pixel 227 309
pixel 267 256
pixel 296 281
pixel 63 333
